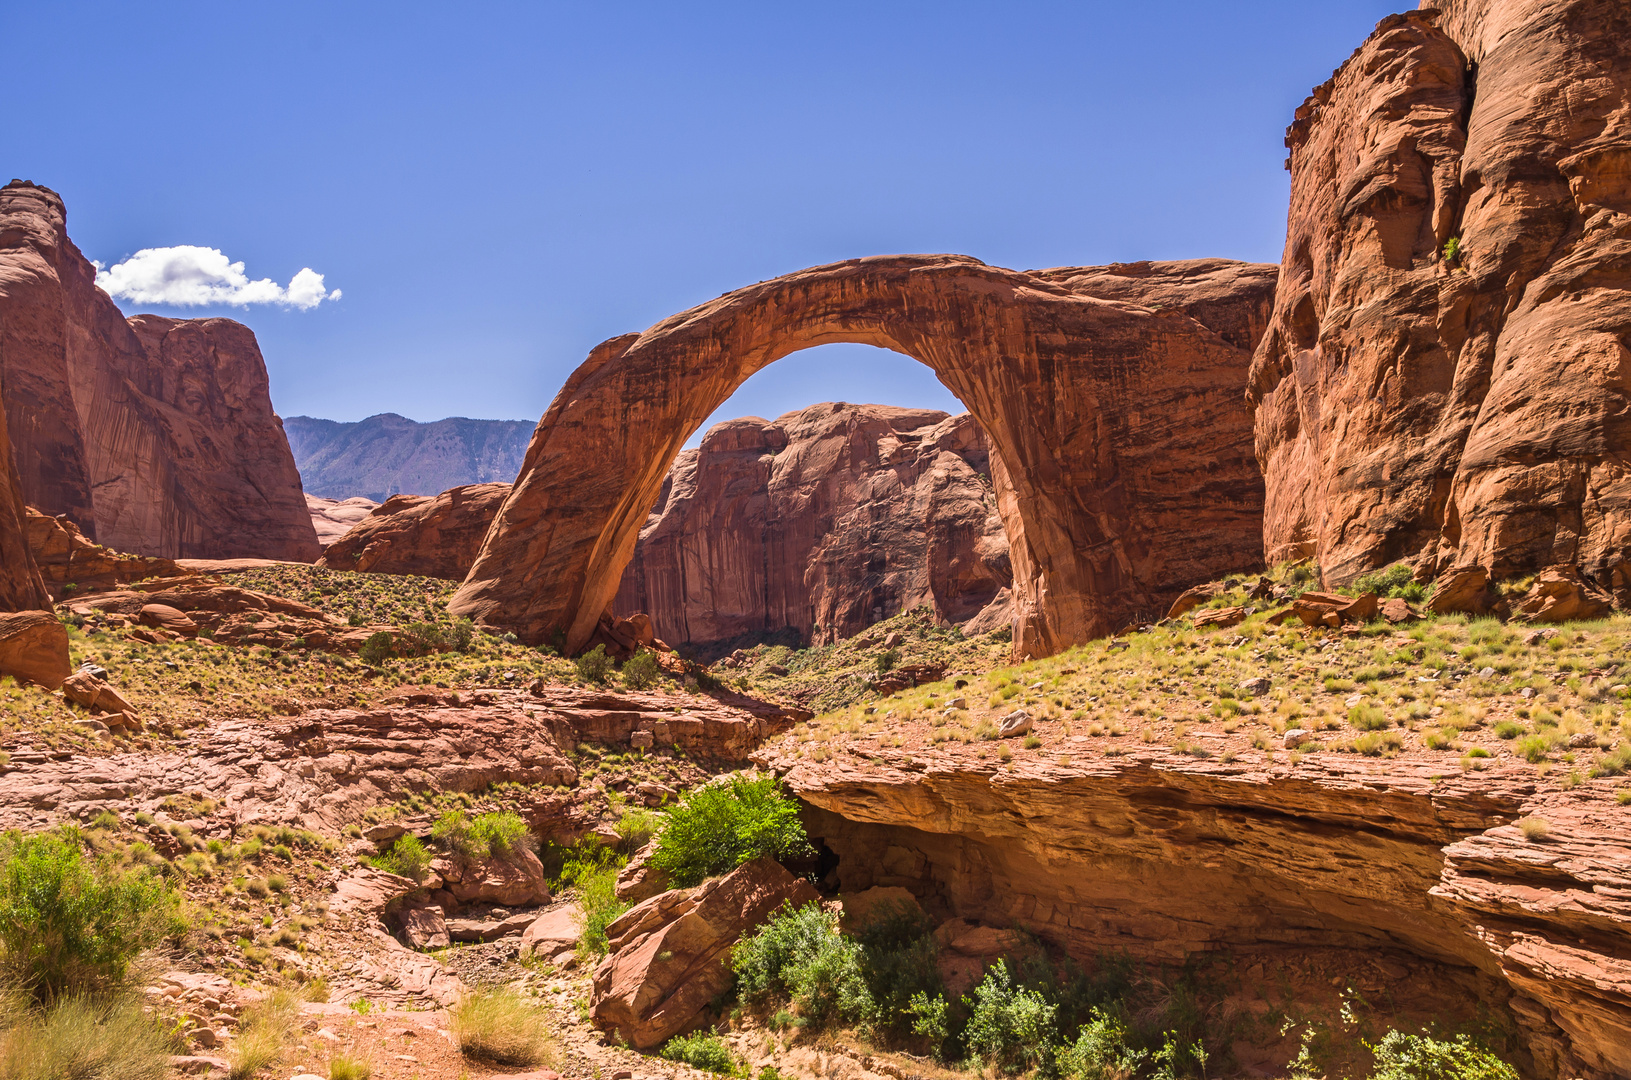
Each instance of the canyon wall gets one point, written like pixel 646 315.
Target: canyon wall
pixel 155 436
pixel 1120 441
pixel 824 520
pixel 1445 377
pixel 22 588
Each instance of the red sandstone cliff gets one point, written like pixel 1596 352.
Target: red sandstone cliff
pixel 155 436
pixel 434 536
pixel 1469 409
pixel 825 520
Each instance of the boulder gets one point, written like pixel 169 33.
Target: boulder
pixel 67 558
pixel 1562 594
pixel 425 927
pixel 86 689
pixel 1465 589
pixel 491 928
pixel 639 880
pixel 34 648
pixel 861 908
pixel 554 935
pixel 514 880
pixel 165 617
pixel 1190 599
pixel 1015 723
pixel 1396 610
pixel 669 955
pixel 1330 609
pixel 1220 618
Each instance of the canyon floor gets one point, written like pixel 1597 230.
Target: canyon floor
pixel 1443 774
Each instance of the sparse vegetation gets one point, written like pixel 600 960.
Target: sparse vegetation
pixel 407 857
pixel 701 1050
pixel 502 1027
pixel 594 666
pixel 718 827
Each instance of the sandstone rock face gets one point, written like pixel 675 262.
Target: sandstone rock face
pixel 669 954
pixel 1117 435
pixel 825 520
pixel 1465 411
pixel 66 557
pixel 516 879
pixel 333 518
pixel 155 436
pixel 34 648
pixel 416 534
pixel 21 586
pixel 1168 858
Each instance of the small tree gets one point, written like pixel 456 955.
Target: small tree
pixel 641 670
pixel 377 649
pixel 594 665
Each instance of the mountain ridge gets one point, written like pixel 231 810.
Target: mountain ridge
pixel 388 454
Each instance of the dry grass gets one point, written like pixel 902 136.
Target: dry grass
pixel 268 1028
pixel 1534 829
pixel 82 1039
pixel 504 1028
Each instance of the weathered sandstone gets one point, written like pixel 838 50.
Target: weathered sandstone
pixel 333 518
pixel 1168 857
pixel 416 534
pixel 1465 411
pixel 66 558
pixel 21 586
pixel 825 520
pixel 34 648
pixel 155 436
pixel 1118 435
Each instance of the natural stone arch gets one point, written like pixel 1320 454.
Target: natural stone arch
pixel 1123 446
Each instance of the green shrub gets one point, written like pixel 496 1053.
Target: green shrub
pixel 377 649
pixel 801 955
pixel 597 896
pixel 1508 729
pixel 67 926
pixel 1102 1051
pixel 594 665
pixel 1398 580
pixel 501 833
pixel 641 670
pixel 422 638
pixel 461 635
pixel 887 660
pixel 452 831
pixel 898 962
pixel 1368 718
pixel 1534 748
pixel 1009 1027
pixel 407 857
pixel 1421 1057
pixel 267 1027
pixel 700 1050
pixel 723 825
pixel 82 1038
pixel 343 1066
pixel 636 828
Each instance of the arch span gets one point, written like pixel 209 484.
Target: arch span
pixel 1113 398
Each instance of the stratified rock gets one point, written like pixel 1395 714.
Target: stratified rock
pixel 21 586
pixel 333 518
pixel 34 648
pixel 416 534
pixel 825 521
pixel 1118 436
pixel 67 558
pixel 1443 377
pixel 514 880
pixel 669 955
pixel 155 436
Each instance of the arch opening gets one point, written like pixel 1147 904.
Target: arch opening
pixel 1122 448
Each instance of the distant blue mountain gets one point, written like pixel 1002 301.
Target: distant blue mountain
pixel 388 454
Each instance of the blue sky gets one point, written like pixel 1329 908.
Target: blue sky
pixel 497 187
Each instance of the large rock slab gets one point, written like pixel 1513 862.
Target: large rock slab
pixel 34 648
pixel 1468 410
pixel 669 955
pixel 824 520
pixel 1120 447
pixel 155 436
pixel 414 534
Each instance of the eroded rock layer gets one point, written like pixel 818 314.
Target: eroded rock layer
pixel 435 536
pixel 825 521
pixel 1164 858
pixel 21 586
pixel 155 436
pixel 1118 433
pixel 1444 377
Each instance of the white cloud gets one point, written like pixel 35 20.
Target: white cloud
pixel 189 276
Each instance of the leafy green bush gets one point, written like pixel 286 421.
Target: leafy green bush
pixel 82 1038
pixel 406 857
pixel 1398 580
pixel 377 649
pixel 723 825
pixel 1534 748
pixel 422 638
pixel 898 962
pixel 701 1051
pixel 461 635
pixel 594 665
pixel 1102 1051
pixel 641 670
pixel 887 660
pixel 1010 1027
pixel 501 833
pixel 1368 718
pixel 67 926
pixel 636 827
pixel 452 831
pixel 595 875
pixel 799 953
pixel 1420 1057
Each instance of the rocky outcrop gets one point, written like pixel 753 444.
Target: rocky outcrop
pixel 74 565
pixel 1118 435
pixel 34 648
pixel 414 534
pixel 21 586
pixel 1166 858
pixel 389 455
pixel 669 955
pixel 333 518
pixel 155 436
pixel 1444 377
pixel 825 521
